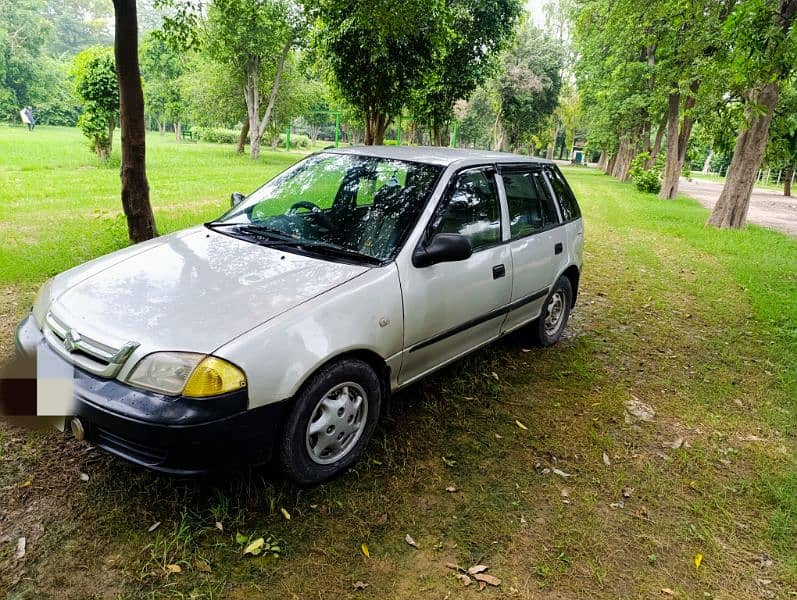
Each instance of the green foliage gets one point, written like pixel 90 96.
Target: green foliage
pixel 298 140
pixel 161 68
pixel 646 180
pixel 216 135
pixel 94 73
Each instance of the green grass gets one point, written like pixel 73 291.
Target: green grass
pixel 699 323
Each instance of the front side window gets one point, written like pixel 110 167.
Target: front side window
pixel 531 207
pixel 564 194
pixel 358 206
pixel 472 209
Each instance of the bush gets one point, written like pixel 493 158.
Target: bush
pixel 216 135
pixel 646 180
pixel 298 140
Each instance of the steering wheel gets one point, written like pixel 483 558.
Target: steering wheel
pixel 313 208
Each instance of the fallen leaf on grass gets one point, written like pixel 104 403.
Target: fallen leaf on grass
pixel 667 591
pixel 285 514
pixel 174 568
pixel 562 473
pixel 698 560
pixel 627 491
pixel 451 489
pixel 84 477
pixel 364 548
pixel 498 436
pixel 202 566
pixel 639 410
pixel 477 569
pixel 255 547
pixel 240 538
pixel 154 526
pixel 495 375
pixel 482 585
pixel 674 445
pixel 521 425
pixel 359 585
pixel 487 578
pixel 20 553
pixel 410 541
pixel 606 460
pixel 25 484
pixel 526 349
pixel 452 566
pixel 449 462
pixel 219 526
pixel 466 581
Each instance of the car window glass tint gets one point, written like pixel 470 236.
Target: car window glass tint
pixel 531 207
pixel 473 210
pixel 565 196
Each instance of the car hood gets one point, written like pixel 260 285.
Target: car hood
pixel 194 290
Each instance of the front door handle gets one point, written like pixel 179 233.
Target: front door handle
pixel 499 271
pixel 557 249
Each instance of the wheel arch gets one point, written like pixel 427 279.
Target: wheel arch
pixel 573 274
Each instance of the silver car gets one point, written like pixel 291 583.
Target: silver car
pixel 281 328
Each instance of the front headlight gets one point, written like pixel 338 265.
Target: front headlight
pixel 42 303
pixel 186 373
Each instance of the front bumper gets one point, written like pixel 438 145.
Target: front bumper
pixel 177 435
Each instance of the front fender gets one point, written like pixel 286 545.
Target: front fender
pixel 363 314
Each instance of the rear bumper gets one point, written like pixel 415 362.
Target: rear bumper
pixel 176 435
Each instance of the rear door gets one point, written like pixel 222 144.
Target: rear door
pixel 570 211
pixel 537 240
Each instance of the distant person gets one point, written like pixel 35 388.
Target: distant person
pixel 31 119
pixel 23 114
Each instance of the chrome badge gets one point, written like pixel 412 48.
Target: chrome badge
pixel 71 340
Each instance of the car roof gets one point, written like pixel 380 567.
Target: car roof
pixel 436 155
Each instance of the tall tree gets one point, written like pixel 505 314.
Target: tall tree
pixel 377 52
pixel 479 30
pixel 254 38
pixel 162 65
pixel 764 40
pixel 96 84
pixel 135 188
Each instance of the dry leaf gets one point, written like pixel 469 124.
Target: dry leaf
pixel 359 585
pixel 25 484
pixel 482 585
pixel 174 568
pixel 20 553
pixel 526 349
pixel 452 566
pixel 449 462
pixel 154 526
pixel 627 492
pixel 487 578
pixel 639 410
pixel 285 514
pixel 364 548
pixel 521 425
pixel 667 591
pixel 562 473
pixel 498 436
pixel 451 489
pixel 464 579
pixel 219 526
pixel 410 541
pixel 202 566
pixel 477 569
pixel 674 445
pixel 495 375
pixel 698 560
pixel 84 477
pixel 606 460
pixel 255 547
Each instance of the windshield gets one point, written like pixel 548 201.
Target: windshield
pixel 336 203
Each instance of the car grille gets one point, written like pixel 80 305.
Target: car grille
pixel 86 353
pixel 131 450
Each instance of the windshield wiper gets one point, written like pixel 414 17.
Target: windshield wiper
pixel 250 229
pixel 333 250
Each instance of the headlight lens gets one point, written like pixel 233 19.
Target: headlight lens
pixel 195 375
pixel 42 303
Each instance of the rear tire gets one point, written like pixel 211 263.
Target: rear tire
pixel 334 417
pixel 550 325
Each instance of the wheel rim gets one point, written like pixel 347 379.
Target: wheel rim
pixel 555 312
pixel 337 423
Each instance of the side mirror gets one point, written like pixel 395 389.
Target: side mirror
pixel 443 247
pixel 236 198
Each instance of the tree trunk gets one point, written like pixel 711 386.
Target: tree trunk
pixel 375 126
pixel 609 168
pixel 787 181
pixel 707 162
pixel 731 207
pixel 239 148
pixel 552 146
pixel 257 126
pixel 654 151
pixel 135 188
pixel 602 160
pixel 111 127
pixel 677 141
pixel 625 155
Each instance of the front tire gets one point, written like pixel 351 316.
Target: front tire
pixel 550 325
pixel 334 417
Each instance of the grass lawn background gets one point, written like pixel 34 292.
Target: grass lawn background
pixel 698 323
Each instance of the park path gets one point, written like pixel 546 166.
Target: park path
pixel 768 208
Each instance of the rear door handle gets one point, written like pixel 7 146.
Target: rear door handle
pixel 499 271
pixel 557 249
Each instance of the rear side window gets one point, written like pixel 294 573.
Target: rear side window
pixel 564 194
pixel 531 207
pixel 473 210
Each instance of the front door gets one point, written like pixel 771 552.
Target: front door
pixel 450 308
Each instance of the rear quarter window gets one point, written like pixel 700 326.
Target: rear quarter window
pixel 567 201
